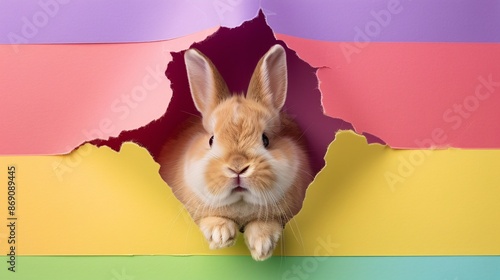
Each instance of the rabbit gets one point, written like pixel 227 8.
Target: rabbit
pixel 243 166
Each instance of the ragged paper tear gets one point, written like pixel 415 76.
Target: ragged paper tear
pixel 369 200
pixel 235 52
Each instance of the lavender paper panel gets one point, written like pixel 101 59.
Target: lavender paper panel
pixel 115 21
pixel 387 20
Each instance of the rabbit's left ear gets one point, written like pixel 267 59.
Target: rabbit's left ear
pixel 269 80
pixel 207 86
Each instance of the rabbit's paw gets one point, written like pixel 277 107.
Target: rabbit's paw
pixel 219 232
pixel 261 238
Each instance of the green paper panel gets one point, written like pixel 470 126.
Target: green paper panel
pixel 243 267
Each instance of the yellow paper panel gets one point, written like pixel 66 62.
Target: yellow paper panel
pixel 442 202
pixel 98 201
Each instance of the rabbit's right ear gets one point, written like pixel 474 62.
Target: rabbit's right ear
pixel 207 86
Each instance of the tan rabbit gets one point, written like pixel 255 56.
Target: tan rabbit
pixel 243 165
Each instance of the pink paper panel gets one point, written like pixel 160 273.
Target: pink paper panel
pixel 55 97
pixel 411 95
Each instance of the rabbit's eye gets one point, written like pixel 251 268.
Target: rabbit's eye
pixel 265 140
pixel 211 141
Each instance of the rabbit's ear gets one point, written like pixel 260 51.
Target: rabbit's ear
pixel 269 80
pixel 207 86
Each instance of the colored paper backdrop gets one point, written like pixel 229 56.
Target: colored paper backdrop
pixel 409 74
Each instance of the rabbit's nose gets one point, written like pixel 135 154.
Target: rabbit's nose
pixel 238 164
pixel 239 171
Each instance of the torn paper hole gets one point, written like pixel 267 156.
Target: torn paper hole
pixel 235 52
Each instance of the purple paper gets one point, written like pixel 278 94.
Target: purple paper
pixel 114 21
pixel 387 20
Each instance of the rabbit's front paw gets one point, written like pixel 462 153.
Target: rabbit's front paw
pixel 261 238
pixel 219 232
